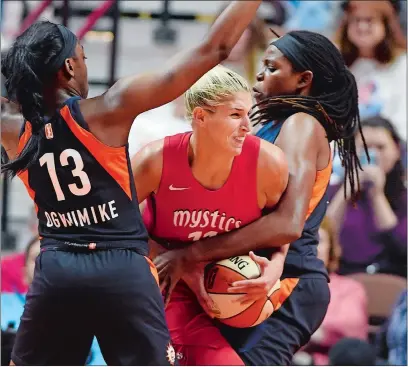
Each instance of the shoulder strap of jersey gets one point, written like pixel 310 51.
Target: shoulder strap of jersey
pixel 175 156
pixel 76 113
pixel 246 171
pixel 250 152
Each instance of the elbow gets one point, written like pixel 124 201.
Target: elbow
pixel 292 236
pixel 292 232
pixel 285 236
pixel 220 51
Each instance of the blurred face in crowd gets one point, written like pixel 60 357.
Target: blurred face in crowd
pixel 379 140
pixel 30 262
pixel 323 249
pixel 366 28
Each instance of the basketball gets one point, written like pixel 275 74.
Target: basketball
pixel 218 278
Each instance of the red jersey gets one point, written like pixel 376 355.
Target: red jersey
pixel 184 210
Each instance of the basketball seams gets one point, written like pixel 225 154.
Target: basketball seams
pixel 248 315
pixel 227 267
pixel 260 311
pixel 233 267
pixel 226 294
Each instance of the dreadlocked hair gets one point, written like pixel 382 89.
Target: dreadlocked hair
pixel 26 75
pixel 333 101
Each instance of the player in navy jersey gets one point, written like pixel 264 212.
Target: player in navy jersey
pixel 306 99
pixel 92 276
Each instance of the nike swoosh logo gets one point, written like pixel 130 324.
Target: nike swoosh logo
pixel 172 188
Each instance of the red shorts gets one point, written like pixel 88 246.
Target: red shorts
pixel 195 337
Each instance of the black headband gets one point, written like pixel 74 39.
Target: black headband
pixel 292 49
pixel 68 50
pixel 296 53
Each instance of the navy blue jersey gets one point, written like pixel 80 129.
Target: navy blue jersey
pixel 83 190
pixel 301 259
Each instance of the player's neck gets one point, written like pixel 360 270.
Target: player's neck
pixel 210 167
pixel 54 98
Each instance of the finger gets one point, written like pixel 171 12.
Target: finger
pixel 157 261
pixel 167 292
pixel 263 261
pixel 211 307
pixel 164 284
pixel 162 273
pixel 247 290
pixel 258 282
pixel 247 299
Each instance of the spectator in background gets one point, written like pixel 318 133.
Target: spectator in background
pixel 315 16
pixel 391 342
pixel 17 270
pixel 374 48
pixel 347 313
pixel 352 352
pixel 373 235
pixel 13 297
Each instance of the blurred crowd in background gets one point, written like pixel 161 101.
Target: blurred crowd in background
pixel 364 247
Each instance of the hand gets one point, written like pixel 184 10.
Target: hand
pixel 375 176
pixel 171 266
pixel 155 249
pixel 195 281
pixel 258 288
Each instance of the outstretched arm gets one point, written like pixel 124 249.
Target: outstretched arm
pixel 136 94
pixel 298 139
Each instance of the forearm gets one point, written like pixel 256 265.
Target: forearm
pixel 384 217
pixel 280 253
pixel 269 231
pixel 230 25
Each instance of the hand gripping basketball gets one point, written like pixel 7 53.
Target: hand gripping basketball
pixel 255 289
pixel 244 288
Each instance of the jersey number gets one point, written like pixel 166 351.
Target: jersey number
pixel 195 236
pixel 49 160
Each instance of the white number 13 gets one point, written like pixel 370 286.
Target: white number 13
pixel 48 159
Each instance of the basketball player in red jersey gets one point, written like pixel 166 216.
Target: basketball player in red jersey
pixel 92 277
pixel 203 183
pixel 306 98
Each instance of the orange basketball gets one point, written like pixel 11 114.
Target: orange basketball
pixel 218 278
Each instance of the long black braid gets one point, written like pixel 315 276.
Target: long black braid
pixel 333 100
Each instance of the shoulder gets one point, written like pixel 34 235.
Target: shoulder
pixel 302 135
pixel 302 123
pixel 272 157
pixel 150 157
pixel 272 171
